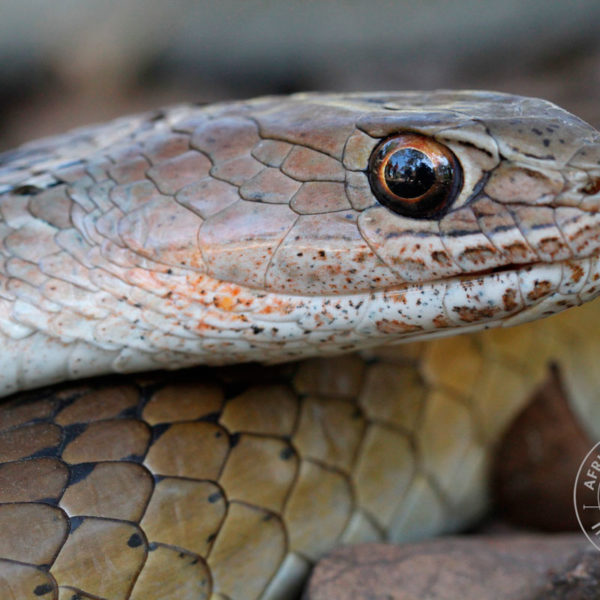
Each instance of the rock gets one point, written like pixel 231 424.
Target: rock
pixel 580 581
pixel 537 460
pixel 515 567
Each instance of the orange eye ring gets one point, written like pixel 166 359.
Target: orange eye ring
pixel 415 176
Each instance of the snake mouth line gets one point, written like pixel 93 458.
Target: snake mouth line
pixel 511 267
pixel 459 277
pixel 528 266
pixel 502 269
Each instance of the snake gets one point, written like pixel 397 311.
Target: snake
pixel 227 331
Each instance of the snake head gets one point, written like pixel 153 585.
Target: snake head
pixel 290 226
pixel 433 212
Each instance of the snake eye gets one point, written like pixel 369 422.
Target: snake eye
pixel 414 175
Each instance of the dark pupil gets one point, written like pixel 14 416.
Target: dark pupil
pixel 409 173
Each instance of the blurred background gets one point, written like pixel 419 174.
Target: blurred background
pixel 69 62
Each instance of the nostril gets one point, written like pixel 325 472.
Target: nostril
pixel 592 187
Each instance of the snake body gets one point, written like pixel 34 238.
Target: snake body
pixel 250 231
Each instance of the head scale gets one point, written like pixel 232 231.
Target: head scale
pixel 314 224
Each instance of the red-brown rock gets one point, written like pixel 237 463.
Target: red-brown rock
pixel 515 567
